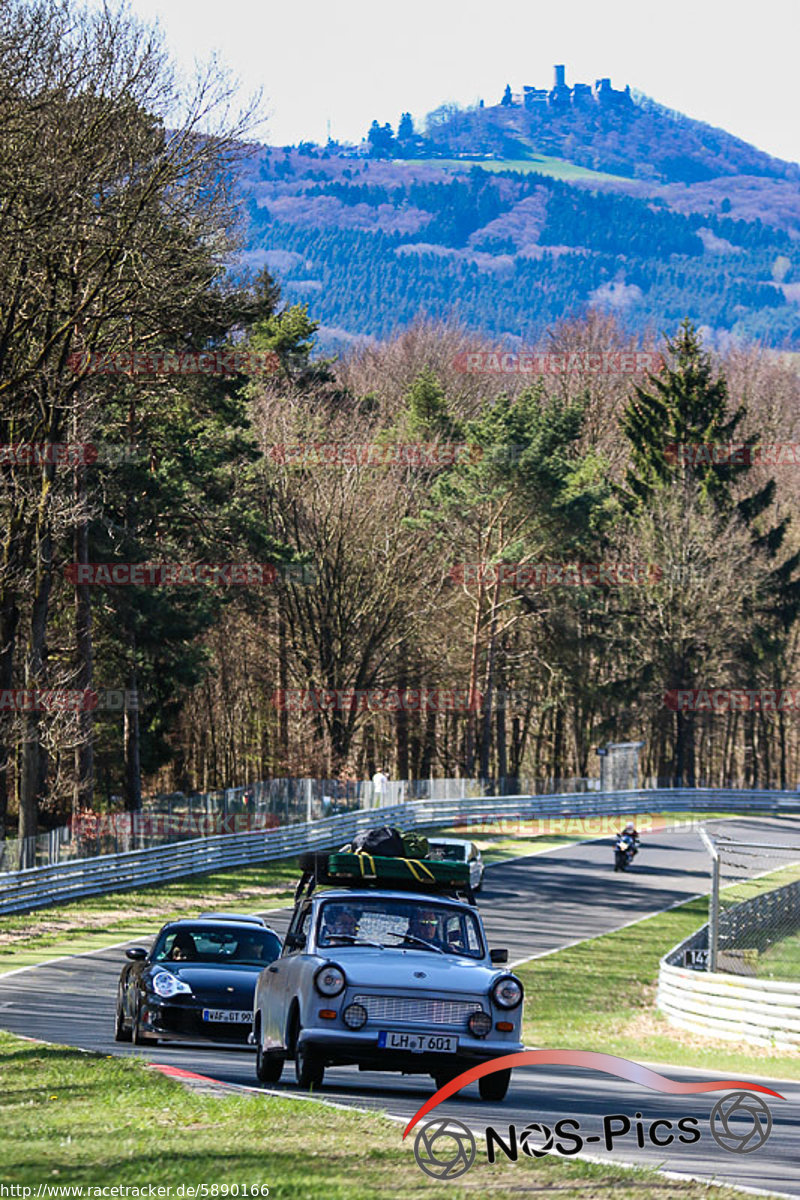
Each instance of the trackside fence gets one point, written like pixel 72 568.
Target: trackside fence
pixel 592 812
pixel 735 1006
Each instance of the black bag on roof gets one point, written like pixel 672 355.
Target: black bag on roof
pixel 385 841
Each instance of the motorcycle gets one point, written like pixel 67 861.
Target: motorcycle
pixel 625 847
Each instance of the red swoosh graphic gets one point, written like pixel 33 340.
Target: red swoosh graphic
pixel 623 1068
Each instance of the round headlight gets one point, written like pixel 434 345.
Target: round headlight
pixel 329 980
pixel 480 1023
pixel 166 985
pixel 507 992
pixel 354 1016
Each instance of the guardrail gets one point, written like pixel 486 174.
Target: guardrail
pixel 732 1005
pixel 764 1012
pixel 38 886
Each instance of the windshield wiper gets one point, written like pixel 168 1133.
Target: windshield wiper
pixel 353 939
pixel 410 937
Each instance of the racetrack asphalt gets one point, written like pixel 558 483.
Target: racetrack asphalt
pixel 532 905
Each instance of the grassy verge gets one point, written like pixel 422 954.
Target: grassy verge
pixel 600 995
pixel 55 1102
pixel 98 921
pixel 781 961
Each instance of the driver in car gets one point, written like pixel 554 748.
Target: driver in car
pixel 423 926
pixel 341 923
pixel 249 948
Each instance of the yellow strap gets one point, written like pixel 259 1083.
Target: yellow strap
pixel 419 870
pixel 361 855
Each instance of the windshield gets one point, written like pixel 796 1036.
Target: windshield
pixel 399 924
pixel 442 850
pixel 211 944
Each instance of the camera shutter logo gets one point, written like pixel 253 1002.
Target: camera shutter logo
pixel 444 1149
pixel 732 1108
pixel 533 1133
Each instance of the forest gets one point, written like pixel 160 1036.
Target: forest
pixel 507 252
pixel 225 558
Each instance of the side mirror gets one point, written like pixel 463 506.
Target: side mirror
pixel 295 941
pixel 498 956
pixel 136 953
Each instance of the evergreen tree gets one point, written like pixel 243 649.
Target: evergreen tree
pixel 681 430
pixel 506 101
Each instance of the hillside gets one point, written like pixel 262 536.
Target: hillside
pixel 508 218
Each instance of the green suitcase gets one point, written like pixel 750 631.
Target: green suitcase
pixel 352 868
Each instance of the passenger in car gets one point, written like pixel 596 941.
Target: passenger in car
pixel 183 948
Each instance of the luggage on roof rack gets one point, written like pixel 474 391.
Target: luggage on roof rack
pixel 368 870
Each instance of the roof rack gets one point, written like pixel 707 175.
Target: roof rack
pixel 373 871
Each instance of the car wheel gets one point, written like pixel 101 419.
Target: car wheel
pixel 494 1087
pixel 445 1076
pixel 269 1067
pixel 137 1037
pixel 309 1069
pixel 121 1034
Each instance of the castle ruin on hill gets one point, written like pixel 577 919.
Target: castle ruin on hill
pixel 561 95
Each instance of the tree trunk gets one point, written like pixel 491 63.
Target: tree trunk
pixel 401 721
pixel 133 768
pixel 9 619
pixel 32 765
pixel 83 783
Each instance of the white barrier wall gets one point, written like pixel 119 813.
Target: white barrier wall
pixel 763 1012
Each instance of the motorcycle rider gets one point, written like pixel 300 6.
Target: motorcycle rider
pixel 632 833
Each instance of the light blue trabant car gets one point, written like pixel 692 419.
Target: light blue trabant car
pixel 387 981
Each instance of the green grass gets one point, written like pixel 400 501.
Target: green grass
pixel 99 921
pixel 73 1118
pixel 600 995
pixel 539 164
pixel 781 961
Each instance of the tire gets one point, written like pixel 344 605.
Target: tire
pixel 494 1087
pixel 619 861
pixel 137 1037
pixel 445 1076
pixel 121 1034
pixel 309 1069
pixel 269 1067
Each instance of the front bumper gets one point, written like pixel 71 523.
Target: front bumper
pixel 359 1048
pixel 184 1022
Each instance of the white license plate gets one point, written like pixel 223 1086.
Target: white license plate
pixel 418 1043
pixel 235 1016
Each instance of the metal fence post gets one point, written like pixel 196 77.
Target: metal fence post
pixel 713 902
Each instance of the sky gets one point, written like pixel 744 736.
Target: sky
pixel 732 63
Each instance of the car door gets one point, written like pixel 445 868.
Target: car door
pixel 280 981
pixel 475 865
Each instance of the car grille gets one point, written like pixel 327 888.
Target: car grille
pixel 429 1012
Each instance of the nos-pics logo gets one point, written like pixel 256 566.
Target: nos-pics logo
pixel 740 1122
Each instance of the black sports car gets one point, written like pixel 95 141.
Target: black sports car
pixel 197 983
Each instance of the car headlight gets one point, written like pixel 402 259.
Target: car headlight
pixel 329 980
pixel 507 992
pixel 166 985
